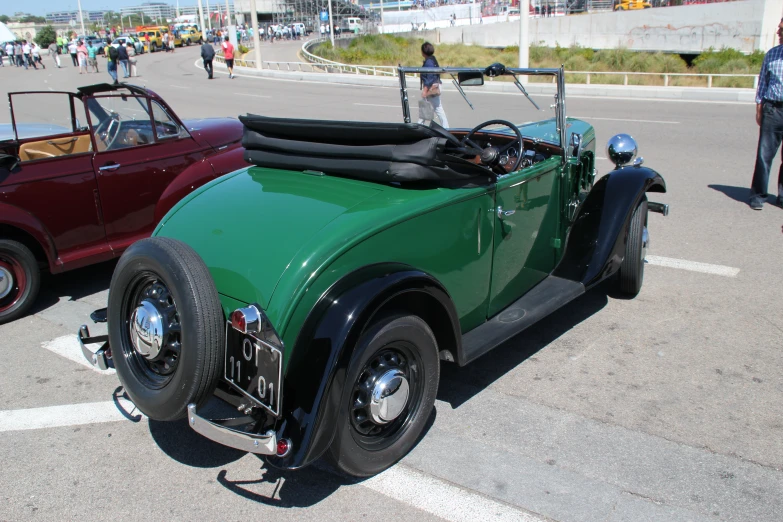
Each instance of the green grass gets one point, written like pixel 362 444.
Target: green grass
pixel 396 50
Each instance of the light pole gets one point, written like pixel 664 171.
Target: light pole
pixel 382 17
pixel 201 18
pixel 331 24
pixel 254 27
pixel 209 18
pixel 228 15
pixel 524 34
pixel 81 18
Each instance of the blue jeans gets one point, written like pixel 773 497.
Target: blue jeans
pixel 124 64
pixel 770 137
pixel 112 68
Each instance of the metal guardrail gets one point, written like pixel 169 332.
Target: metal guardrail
pixel 317 64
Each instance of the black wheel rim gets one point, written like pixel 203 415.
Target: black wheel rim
pixel 367 433
pixel 157 373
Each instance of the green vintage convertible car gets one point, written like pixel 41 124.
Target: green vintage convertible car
pixel 318 292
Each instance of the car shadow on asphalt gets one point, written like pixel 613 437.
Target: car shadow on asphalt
pixel 460 384
pixel 74 284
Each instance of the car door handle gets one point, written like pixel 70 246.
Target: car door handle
pixel 114 166
pixel 505 213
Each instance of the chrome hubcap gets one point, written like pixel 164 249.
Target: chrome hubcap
pixel 147 330
pixel 6 282
pixel 389 396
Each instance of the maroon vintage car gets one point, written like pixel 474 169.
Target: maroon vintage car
pixel 83 175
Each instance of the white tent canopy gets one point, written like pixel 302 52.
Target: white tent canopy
pixel 5 34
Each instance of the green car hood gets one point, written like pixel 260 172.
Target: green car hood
pixel 248 226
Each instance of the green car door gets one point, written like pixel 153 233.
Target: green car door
pixel 526 218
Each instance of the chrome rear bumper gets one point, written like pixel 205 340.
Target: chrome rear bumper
pixel 100 359
pixel 265 444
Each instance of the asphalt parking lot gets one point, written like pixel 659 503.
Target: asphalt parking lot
pixel 664 407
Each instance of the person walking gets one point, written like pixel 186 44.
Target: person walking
pixel 132 60
pixel 92 56
pixel 208 54
pixel 122 56
pixel 113 56
pixel 228 54
pixel 36 54
pixel 19 55
pixel 27 50
pixel 81 56
pixel 430 84
pixel 73 51
pixel 769 117
pixel 9 51
pixel 54 52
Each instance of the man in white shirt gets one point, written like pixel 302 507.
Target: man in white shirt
pixel 323 30
pixel 27 52
pixel 9 51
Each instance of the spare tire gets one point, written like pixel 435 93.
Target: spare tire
pixel 166 327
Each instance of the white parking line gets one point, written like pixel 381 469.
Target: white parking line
pixel 68 346
pixel 179 86
pixel 379 105
pixel 588 118
pixel 693 266
pixel 66 415
pixel 440 498
pixel 253 95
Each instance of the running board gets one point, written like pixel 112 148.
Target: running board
pixel 546 297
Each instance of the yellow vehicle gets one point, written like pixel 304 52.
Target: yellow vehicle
pixel 155 34
pixel 189 34
pixel 631 5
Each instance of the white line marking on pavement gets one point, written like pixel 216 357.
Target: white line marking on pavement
pixel 68 346
pixel 379 105
pixel 693 266
pixel 179 86
pixel 588 118
pixel 253 95
pixel 442 499
pixel 66 415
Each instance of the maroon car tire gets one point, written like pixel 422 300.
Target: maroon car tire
pixel 20 279
pixel 162 281
pixel 401 344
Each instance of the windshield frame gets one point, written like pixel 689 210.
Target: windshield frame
pixel 558 73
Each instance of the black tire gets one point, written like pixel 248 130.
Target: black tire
pixel 631 274
pixel 364 448
pixel 18 261
pixel 169 274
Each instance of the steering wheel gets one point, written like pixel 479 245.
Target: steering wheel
pixel 112 130
pixel 490 156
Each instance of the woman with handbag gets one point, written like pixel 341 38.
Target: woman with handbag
pixel 430 84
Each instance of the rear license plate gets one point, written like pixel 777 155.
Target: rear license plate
pixel 253 367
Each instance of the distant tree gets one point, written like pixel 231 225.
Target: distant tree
pixel 46 36
pixel 5 19
pixel 33 19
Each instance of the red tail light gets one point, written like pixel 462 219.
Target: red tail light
pixel 239 321
pixel 283 447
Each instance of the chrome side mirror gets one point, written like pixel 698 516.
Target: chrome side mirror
pixel 621 149
pixel 576 145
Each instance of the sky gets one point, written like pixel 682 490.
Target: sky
pixel 41 7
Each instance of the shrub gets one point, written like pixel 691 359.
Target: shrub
pixel 46 36
pixel 243 49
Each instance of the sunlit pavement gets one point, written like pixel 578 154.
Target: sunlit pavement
pixel 665 407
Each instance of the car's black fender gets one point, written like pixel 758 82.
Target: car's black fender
pixel 315 377
pixel 596 243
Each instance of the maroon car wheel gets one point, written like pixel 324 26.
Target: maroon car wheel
pixel 19 279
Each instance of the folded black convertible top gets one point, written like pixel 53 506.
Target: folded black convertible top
pixel 378 152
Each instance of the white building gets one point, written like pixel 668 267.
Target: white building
pixel 151 10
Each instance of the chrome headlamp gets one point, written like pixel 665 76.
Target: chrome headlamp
pixel 621 150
